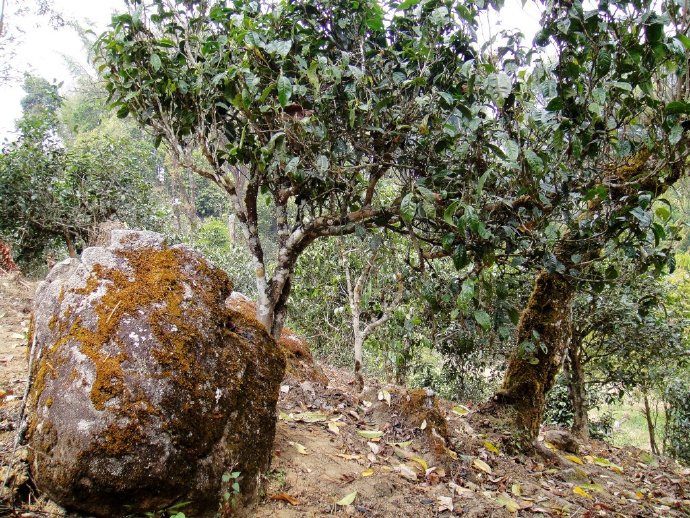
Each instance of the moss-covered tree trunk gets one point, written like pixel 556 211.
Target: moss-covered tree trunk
pixel 546 323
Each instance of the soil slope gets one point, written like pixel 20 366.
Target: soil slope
pixel 386 452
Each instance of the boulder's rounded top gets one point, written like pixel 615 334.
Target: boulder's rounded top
pixel 125 239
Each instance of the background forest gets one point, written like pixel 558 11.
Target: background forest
pixel 450 174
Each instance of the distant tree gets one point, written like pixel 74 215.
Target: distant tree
pixel 55 193
pixel 627 337
pixel 370 308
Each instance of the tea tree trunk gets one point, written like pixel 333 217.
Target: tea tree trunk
pixel 577 389
pixel 545 323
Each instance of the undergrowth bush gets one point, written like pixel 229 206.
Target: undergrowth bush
pixel 678 420
pixel 559 410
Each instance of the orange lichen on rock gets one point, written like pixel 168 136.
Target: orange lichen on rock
pixel 145 386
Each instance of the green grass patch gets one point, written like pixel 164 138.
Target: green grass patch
pixel 630 425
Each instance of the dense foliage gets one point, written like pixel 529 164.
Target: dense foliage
pixel 355 117
pixel 54 192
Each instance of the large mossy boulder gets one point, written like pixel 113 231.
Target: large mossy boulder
pixel 300 362
pixel 146 388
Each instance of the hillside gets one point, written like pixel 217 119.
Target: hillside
pixel 388 451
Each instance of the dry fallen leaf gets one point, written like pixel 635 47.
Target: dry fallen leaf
pixel 511 505
pixel 333 428
pixel 285 498
pixel 348 499
pixel 573 458
pixel 368 472
pixel 445 503
pixel 370 434
pixel 407 472
pixel 421 462
pixel 600 461
pixel 375 448
pixel 300 448
pixel 516 490
pixel 482 466
pixel 579 491
pixel 489 446
pixel 348 457
pixel 310 417
pixel 460 410
pixel 384 395
pixel 423 425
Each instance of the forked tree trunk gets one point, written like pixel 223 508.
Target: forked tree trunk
pixel 546 323
pixel 577 389
pixel 355 292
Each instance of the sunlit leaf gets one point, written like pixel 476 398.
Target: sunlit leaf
pixel 516 489
pixel 300 448
pixel 511 505
pixel 284 90
pixel 421 462
pixel 460 410
pixel 370 434
pixel 482 466
pixel 348 499
pixel 579 491
pixel 408 208
pixel 489 446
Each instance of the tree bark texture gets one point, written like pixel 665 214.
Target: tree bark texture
pixel 546 322
pixel 650 425
pixel 577 389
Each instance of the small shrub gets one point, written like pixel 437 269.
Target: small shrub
pixel 232 489
pixel 559 411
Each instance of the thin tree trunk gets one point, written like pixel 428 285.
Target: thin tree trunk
pixel 70 245
pixel 546 323
pixel 402 364
pixel 359 379
pixel 650 425
pixel 577 389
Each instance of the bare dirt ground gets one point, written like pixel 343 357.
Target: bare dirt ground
pixel 379 455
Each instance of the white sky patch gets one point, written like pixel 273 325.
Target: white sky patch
pixel 43 49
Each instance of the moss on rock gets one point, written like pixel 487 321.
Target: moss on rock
pixel 146 387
